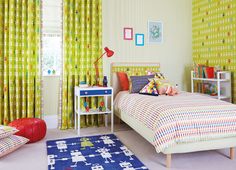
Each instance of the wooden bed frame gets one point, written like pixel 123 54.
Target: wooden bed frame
pixel 198 146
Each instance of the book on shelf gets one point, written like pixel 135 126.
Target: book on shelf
pixel 210 72
pixel 205 88
pixel 202 71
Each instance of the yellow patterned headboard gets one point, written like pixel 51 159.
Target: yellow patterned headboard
pixel 131 69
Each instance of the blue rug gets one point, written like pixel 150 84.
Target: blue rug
pixel 102 152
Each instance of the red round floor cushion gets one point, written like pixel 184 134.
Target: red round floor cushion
pixel 33 129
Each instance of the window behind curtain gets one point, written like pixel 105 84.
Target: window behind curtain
pixel 51 59
pixel 51 37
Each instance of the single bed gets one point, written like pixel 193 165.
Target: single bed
pixel 187 122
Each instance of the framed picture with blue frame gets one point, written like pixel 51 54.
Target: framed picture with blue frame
pixel 139 39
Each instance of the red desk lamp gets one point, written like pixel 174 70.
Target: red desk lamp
pixel 109 54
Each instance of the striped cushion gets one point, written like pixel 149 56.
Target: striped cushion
pixel 138 82
pixel 159 76
pixel 6 131
pixel 11 143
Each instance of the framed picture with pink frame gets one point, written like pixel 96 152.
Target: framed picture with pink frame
pixel 128 33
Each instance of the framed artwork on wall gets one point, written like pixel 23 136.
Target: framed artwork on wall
pixel 139 39
pixel 128 33
pixel 155 32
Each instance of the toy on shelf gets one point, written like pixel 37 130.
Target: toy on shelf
pixel 86 106
pixel 213 90
pixel 102 107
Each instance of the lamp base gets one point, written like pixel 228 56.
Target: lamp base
pixel 97 85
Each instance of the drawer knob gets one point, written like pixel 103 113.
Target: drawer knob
pixel 105 91
pixel 86 92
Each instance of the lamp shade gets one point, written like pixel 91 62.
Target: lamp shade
pixel 109 52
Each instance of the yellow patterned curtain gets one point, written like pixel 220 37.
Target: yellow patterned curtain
pixel 82 39
pixel 19 60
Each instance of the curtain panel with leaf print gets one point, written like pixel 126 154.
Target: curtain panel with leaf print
pixel 82 44
pixel 20 90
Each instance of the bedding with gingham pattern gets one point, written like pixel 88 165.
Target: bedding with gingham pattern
pixel 184 118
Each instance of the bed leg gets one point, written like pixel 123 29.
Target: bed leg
pixel 119 121
pixel 232 150
pixel 168 160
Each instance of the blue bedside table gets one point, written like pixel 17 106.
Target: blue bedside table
pixel 106 92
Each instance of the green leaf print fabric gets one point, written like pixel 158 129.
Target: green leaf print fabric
pixel 82 40
pixel 20 90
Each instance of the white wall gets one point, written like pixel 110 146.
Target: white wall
pixel 51 94
pixel 174 54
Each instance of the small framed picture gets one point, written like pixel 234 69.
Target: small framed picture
pixel 128 33
pixel 155 32
pixel 139 39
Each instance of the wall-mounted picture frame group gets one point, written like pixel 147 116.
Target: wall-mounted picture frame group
pixel 139 39
pixel 155 32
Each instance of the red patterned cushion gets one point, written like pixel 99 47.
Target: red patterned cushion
pixel 33 129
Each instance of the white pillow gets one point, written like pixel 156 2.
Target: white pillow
pixel 6 131
pixel 11 143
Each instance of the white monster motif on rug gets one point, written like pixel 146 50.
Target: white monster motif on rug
pixel 102 152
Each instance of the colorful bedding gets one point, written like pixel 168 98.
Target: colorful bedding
pixel 184 118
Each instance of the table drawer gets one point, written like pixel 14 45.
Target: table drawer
pixel 95 92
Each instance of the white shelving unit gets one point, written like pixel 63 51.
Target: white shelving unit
pixel 222 82
pixel 106 92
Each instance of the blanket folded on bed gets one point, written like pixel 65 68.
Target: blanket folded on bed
pixel 183 118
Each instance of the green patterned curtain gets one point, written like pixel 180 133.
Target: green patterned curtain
pixel 82 39
pixel 19 59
